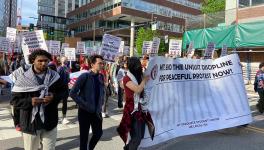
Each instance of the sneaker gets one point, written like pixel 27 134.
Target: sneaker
pixel 65 121
pixel 118 109
pixel 105 115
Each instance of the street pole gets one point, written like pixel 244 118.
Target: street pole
pixel 10 13
pixel 132 36
pixel 94 33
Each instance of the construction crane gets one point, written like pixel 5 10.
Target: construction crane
pixel 19 17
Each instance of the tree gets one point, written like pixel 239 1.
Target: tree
pixel 146 34
pixel 212 6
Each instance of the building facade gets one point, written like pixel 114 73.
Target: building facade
pixel 52 16
pixel 8 15
pixel 95 17
pixel 247 11
pixel 242 11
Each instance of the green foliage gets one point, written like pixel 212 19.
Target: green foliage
pixel 164 48
pixel 146 34
pixel 212 6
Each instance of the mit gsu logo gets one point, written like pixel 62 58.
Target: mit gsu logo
pixel 154 72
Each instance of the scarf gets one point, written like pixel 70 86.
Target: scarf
pixel 143 101
pixel 26 81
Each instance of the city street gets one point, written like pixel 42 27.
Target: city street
pixel 243 138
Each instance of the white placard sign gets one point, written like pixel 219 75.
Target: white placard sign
pixel 110 47
pixel 209 51
pixel 11 34
pixel 190 96
pixel 175 47
pixel 147 47
pixel 4 44
pixel 32 41
pixel 191 50
pixel 88 51
pixel 122 46
pixel 224 51
pixel 155 45
pixel 70 53
pixel 80 47
pixel 17 45
pixel 126 50
pixel 54 47
pixel 64 45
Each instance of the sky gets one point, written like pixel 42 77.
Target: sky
pixel 29 9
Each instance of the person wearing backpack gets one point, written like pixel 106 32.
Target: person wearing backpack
pixel 88 93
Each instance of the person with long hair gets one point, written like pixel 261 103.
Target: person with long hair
pixel 135 114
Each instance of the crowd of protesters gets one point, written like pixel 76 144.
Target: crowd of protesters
pixel 38 88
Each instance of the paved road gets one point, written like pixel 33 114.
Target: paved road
pixel 242 138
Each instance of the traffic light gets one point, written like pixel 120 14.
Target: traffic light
pixel 51 31
pixel 31 27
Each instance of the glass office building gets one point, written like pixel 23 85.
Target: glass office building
pixel 95 17
pixel 8 15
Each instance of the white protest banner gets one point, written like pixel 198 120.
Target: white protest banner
pixel 155 45
pixel 110 47
pixel 209 51
pixel 32 41
pixel 122 46
pixel 191 50
pixel 190 96
pixel 147 47
pixel 70 53
pixel 54 47
pixel 4 44
pixel 175 47
pixel 74 76
pixel 80 47
pixel 224 51
pixel 11 34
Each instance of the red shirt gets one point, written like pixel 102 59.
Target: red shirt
pixel 129 95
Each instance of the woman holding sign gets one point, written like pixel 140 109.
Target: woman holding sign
pixel 135 114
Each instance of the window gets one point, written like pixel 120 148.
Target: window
pixel 257 2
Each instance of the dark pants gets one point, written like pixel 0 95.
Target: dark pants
pixel 136 133
pixel 106 96
pixel 86 120
pixel 64 103
pixel 120 96
pixel 260 104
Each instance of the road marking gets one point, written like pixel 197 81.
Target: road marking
pixel 255 129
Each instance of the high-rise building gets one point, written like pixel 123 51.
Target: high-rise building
pixel 52 16
pixel 8 15
pixel 95 17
